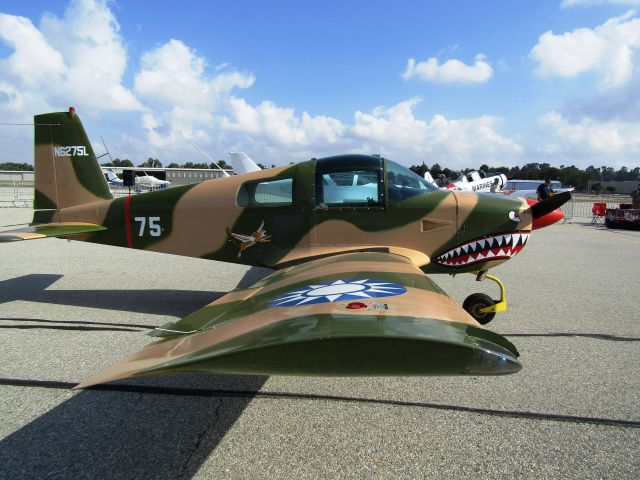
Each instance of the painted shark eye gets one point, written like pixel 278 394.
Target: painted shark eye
pixel 514 216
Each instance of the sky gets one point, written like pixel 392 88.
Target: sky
pixel 459 83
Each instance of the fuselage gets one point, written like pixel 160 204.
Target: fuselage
pixel 283 216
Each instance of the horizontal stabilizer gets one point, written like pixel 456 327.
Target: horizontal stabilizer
pixel 61 229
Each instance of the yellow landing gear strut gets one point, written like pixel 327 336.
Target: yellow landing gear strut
pixel 482 307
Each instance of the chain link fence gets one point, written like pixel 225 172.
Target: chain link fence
pixel 16 193
pixel 580 206
pixel 19 193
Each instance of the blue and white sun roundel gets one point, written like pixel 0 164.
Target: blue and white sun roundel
pixel 338 291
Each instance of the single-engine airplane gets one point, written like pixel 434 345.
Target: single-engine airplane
pixel 351 239
pixel 475 181
pixel 149 181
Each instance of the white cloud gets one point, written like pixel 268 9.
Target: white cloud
pixel 451 71
pixel 33 60
pixel 281 125
pixel 588 141
pixel 454 142
pixel 78 58
pixel 608 50
pixel 393 131
pixel 174 74
pixel 590 3
pixel 186 102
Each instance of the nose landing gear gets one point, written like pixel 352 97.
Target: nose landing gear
pixel 482 307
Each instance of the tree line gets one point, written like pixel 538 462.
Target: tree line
pixel 588 178
pixel 155 163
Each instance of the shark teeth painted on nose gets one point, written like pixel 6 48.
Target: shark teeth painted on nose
pixel 494 247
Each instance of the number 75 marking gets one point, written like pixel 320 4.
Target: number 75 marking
pixel 152 224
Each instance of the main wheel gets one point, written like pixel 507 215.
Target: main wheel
pixel 476 302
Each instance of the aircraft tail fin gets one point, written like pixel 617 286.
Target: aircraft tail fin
pixel 242 163
pixel 429 178
pixel 66 168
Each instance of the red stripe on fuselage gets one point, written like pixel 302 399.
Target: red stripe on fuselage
pixel 127 221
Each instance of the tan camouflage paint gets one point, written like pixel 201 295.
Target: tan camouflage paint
pixel 410 304
pixel 201 216
pixel 66 190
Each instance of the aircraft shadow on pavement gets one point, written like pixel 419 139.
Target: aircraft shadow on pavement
pixel 107 434
pixel 126 434
pixel 177 303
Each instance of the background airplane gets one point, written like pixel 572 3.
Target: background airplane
pixel 475 181
pixel 151 182
pixel 350 293
pixel 242 163
pixel 112 178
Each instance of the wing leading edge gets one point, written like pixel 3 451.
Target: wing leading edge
pixel 348 315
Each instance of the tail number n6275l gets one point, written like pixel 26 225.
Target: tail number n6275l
pixel 71 150
pixel 151 224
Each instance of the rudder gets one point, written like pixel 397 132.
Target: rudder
pixel 66 168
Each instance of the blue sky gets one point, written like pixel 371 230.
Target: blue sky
pixel 499 82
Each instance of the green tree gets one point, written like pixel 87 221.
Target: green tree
pixel 151 163
pixel 622 174
pixel 122 163
pixel 16 167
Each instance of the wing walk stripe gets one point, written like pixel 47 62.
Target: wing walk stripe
pixel 194 392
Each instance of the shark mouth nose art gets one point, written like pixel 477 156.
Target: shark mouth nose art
pixel 494 247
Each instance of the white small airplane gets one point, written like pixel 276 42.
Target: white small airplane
pixel 111 177
pixel 475 181
pixel 150 181
pixel 242 163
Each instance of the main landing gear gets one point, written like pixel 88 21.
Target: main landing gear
pixel 482 307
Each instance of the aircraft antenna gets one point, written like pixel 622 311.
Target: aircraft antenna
pixel 106 150
pixel 195 144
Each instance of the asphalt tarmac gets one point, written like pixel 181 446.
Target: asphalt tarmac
pixel 68 310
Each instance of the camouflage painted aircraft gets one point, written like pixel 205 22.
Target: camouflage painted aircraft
pixel 351 239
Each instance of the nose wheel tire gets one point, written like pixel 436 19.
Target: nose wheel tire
pixel 475 302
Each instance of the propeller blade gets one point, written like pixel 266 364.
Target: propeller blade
pixel 548 205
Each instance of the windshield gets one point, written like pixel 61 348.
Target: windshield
pixel 403 183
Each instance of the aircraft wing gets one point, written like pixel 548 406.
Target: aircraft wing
pixel 61 229
pixel 366 313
